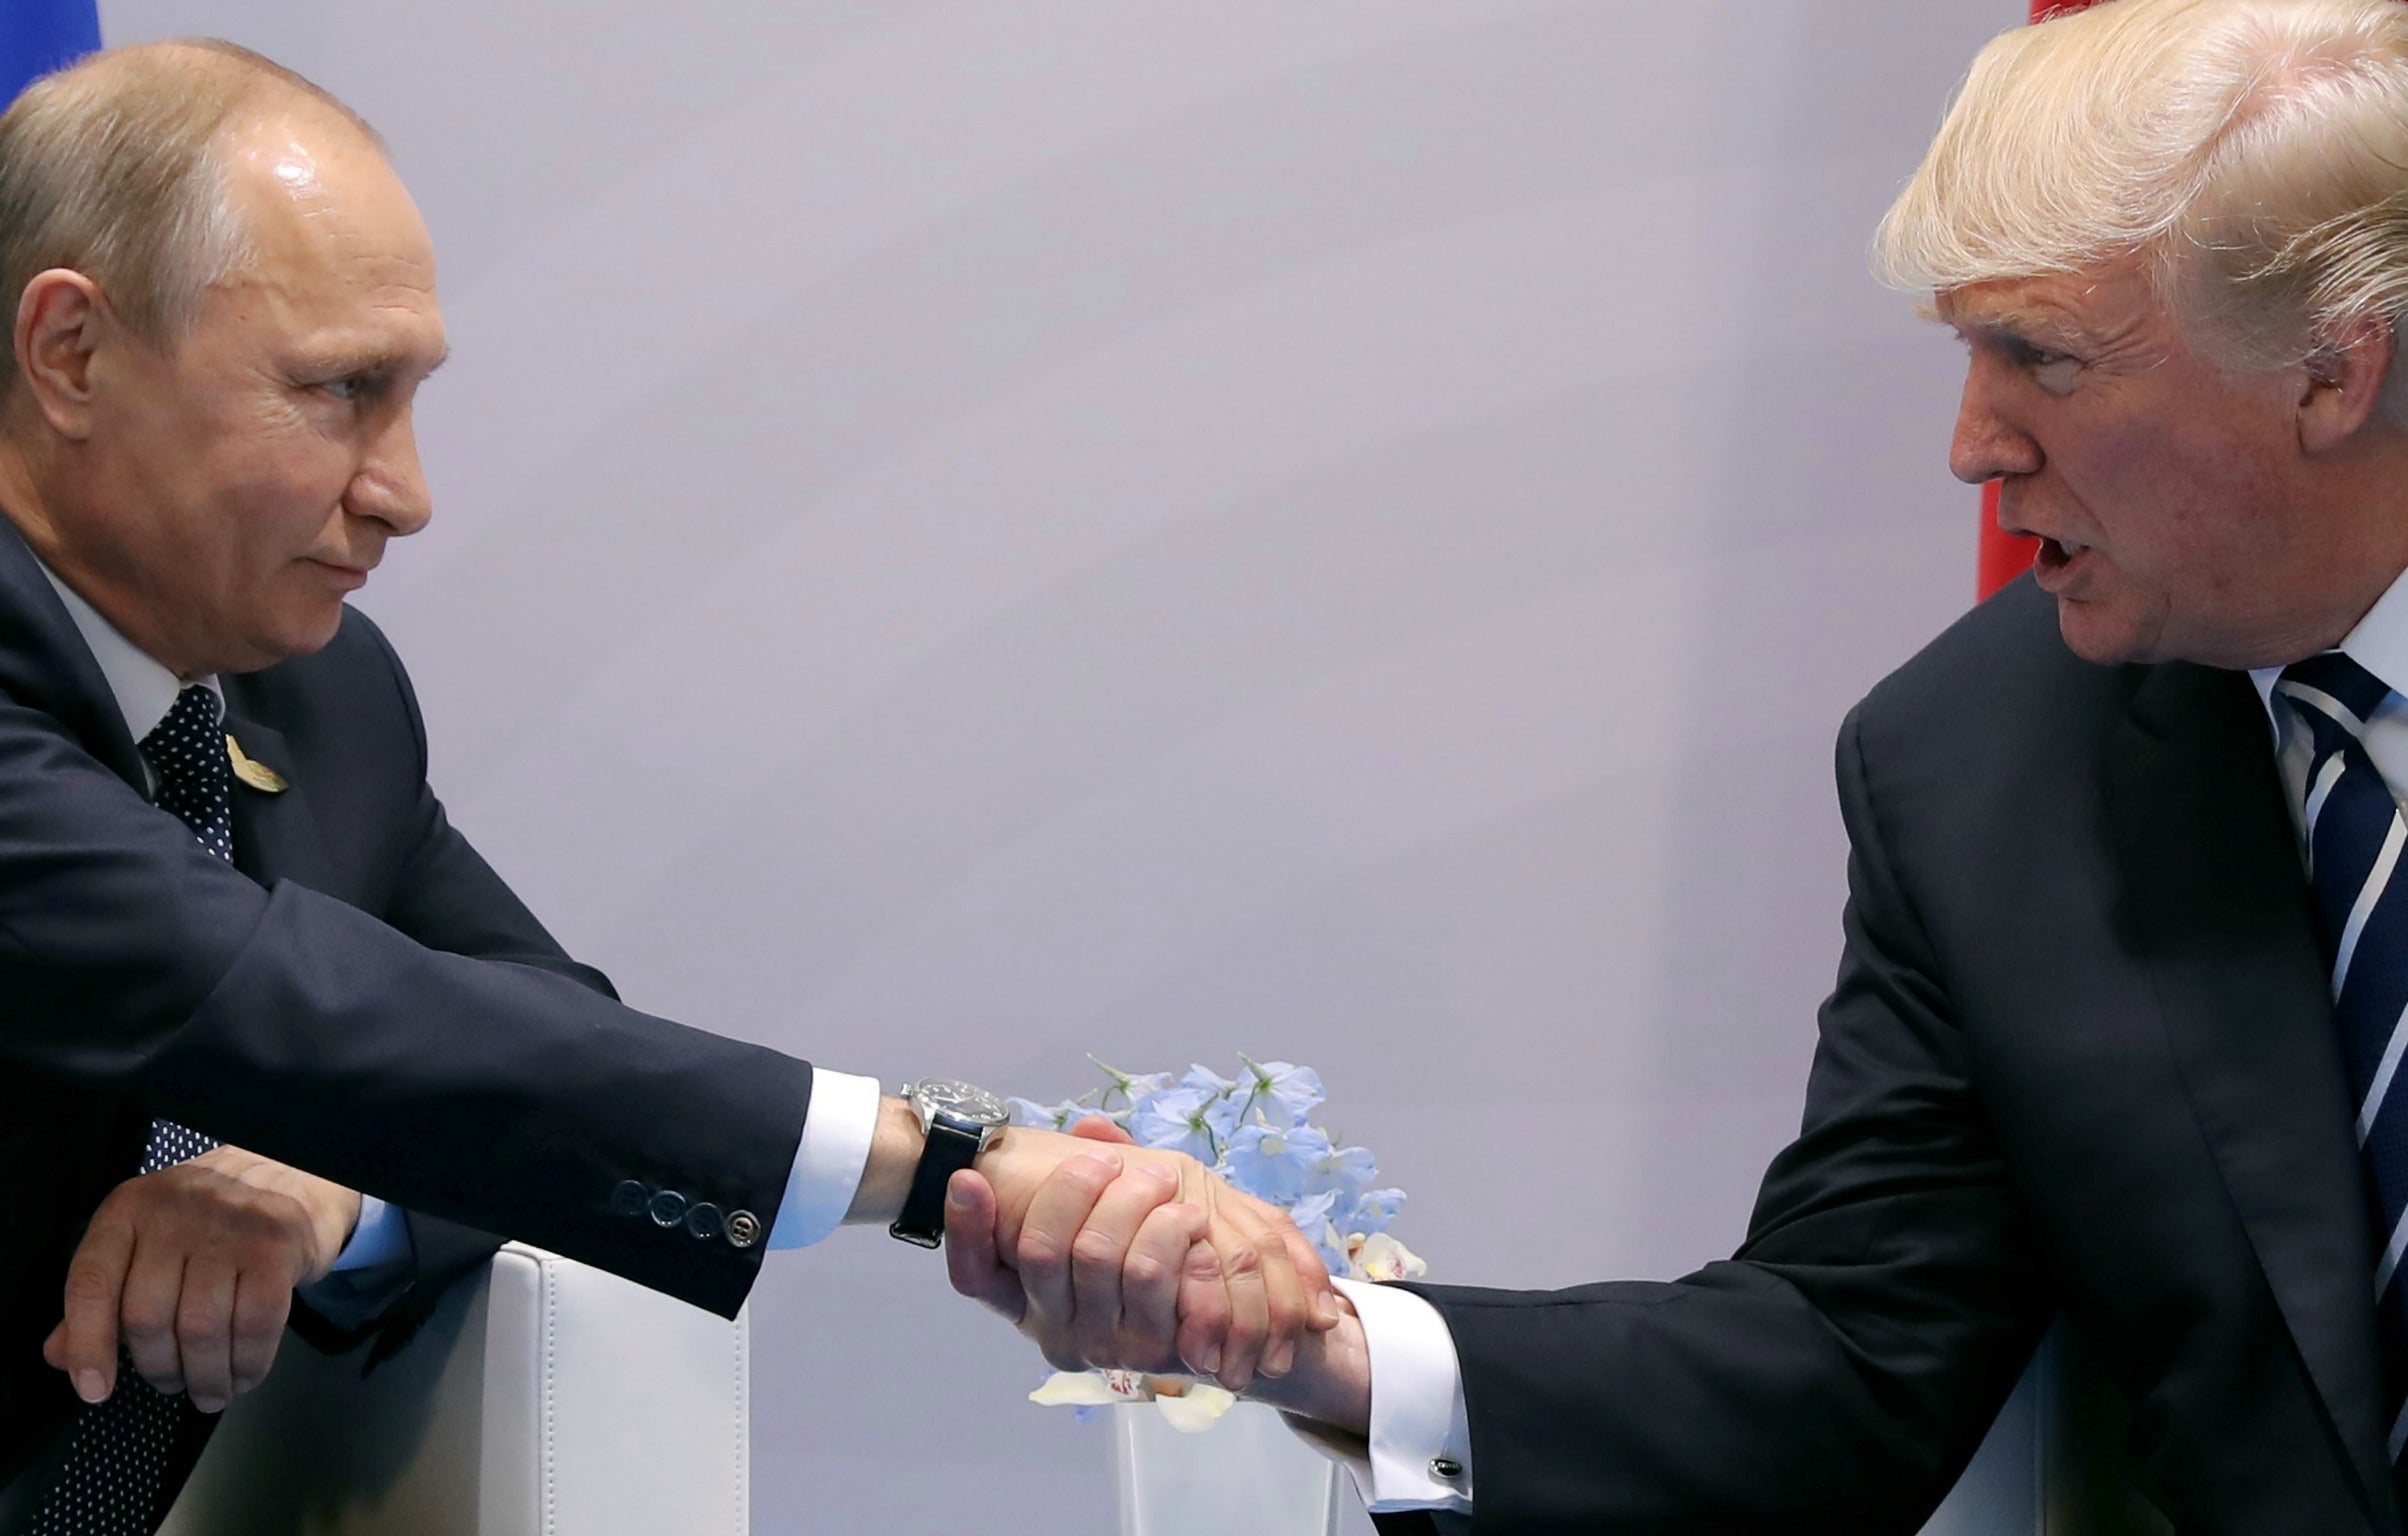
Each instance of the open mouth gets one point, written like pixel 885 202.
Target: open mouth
pixel 2057 558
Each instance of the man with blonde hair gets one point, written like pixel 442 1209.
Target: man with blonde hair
pixel 2119 1023
pixel 239 938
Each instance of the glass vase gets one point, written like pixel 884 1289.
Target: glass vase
pixel 1248 1473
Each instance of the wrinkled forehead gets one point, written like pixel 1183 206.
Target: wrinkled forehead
pixel 2106 299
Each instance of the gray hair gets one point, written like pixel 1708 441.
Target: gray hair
pixel 2253 152
pixel 112 167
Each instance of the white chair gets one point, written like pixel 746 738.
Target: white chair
pixel 542 1397
pixel 2049 1466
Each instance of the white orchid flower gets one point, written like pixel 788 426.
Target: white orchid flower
pixel 1381 1257
pixel 1187 1406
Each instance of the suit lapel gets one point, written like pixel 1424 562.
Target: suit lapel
pixel 45 664
pixel 275 836
pixel 2219 909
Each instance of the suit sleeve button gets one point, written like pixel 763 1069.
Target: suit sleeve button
pixel 668 1208
pixel 743 1228
pixel 704 1221
pixel 629 1198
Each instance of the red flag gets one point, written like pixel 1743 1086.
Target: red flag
pixel 2005 556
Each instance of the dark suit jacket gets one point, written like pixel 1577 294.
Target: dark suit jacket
pixel 359 996
pixel 2079 1059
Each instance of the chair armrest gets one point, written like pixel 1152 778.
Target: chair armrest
pixel 542 1396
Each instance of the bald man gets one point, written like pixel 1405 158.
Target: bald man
pixel 238 936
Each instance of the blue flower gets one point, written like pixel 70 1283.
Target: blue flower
pixel 1054 1117
pixel 1282 1092
pixel 1205 1079
pixel 1051 1116
pixel 1348 1170
pixel 1312 1217
pixel 1276 1163
pixel 1175 1119
pixel 1373 1210
pixel 1131 1086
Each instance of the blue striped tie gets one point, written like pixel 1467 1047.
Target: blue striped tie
pixel 2355 838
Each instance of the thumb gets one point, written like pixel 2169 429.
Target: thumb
pixel 971 1261
pixel 1102 1128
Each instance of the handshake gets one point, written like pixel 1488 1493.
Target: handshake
pixel 1101 1252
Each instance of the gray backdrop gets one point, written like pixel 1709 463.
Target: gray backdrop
pixel 975 532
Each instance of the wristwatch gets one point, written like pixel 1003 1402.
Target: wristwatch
pixel 959 1121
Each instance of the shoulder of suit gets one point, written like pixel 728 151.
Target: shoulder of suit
pixel 1995 699
pixel 358 667
pixel 2000 672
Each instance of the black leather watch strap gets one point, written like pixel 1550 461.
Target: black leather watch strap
pixel 949 1148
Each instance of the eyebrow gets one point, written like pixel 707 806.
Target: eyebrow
pixel 368 360
pixel 2033 327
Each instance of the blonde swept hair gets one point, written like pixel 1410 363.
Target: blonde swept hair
pixel 111 167
pixel 2253 152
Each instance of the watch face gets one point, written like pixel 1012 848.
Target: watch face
pixel 960 1101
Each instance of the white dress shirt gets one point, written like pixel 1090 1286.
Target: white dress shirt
pixel 2380 645
pixel 835 1146
pixel 1417 1413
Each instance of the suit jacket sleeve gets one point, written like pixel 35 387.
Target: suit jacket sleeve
pixel 450 1059
pixel 1835 1375
pixel 447 898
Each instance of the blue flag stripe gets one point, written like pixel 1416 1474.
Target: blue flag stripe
pixel 37 36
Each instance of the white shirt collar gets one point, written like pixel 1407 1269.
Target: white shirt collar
pixel 144 688
pixel 2379 644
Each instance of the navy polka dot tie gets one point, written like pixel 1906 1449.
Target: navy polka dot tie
pixel 113 1481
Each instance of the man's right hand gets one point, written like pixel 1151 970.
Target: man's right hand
pixel 1105 1253
pixel 1107 1270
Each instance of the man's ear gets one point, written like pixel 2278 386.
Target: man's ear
pixel 2345 383
pixel 60 317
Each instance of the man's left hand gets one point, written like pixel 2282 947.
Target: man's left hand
pixel 194 1267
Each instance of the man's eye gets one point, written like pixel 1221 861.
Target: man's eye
pixel 2055 372
pixel 351 390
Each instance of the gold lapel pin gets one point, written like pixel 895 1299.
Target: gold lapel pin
pixel 258 775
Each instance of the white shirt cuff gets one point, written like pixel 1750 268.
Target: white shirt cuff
pixel 828 1164
pixel 1418 1424
pixel 378 1237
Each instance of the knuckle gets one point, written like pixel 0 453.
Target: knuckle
pixel 1094 1250
pixel 1145 1270
pixel 1038 1253
pixel 146 1323
pixel 201 1325
pixel 262 1318
pixel 87 1282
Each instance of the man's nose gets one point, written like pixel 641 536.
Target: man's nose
pixel 391 486
pixel 1986 445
